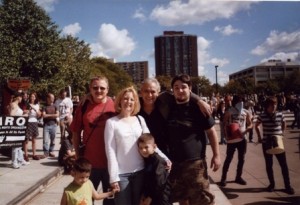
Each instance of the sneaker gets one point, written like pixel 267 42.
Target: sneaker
pixel 223 183
pixel 290 191
pixel 51 154
pixel 24 163
pixel 240 181
pixel 15 166
pixel 270 188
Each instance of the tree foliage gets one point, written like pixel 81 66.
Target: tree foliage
pixel 201 86
pixel 165 82
pixel 292 83
pixel 31 46
pixel 29 41
pixel 117 77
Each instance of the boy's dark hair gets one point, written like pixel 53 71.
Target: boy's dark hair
pixel 82 165
pixel 184 78
pixel 270 101
pixel 236 99
pixel 145 137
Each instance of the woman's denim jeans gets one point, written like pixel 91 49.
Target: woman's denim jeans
pixel 131 185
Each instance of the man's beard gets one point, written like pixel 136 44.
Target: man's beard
pixel 182 100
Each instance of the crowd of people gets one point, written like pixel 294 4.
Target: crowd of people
pixel 146 147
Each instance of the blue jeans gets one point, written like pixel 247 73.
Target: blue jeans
pixel 131 186
pixel 49 133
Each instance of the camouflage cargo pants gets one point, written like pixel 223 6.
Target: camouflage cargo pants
pixel 189 181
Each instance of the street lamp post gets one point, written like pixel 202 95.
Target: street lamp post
pixel 216 66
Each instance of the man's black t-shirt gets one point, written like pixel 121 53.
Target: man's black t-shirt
pixel 186 127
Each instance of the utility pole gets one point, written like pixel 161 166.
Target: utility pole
pixel 216 67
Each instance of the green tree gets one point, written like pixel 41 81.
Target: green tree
pixel 201 86
pixel 291 84
pixel 31 46
pixel 233 87
pixel 117 77
pixel 75 64
pixel 165 82
pixel 29 42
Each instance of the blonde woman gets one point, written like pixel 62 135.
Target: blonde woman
pixel 15 110
pixel 125 164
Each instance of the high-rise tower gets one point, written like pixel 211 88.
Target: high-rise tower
pixel 176 53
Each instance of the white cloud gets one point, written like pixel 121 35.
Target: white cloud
pixel 139 14
pixel 48 5
pixel 112 43
pixel 293 56
pixel 279 42
pixel 206 62
pixel 197 12
pixel 203 55
pixel 72 29
pixel 222 77
pixel 219 62
pixel 227 30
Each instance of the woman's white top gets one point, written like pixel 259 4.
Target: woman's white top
pixel 121 145
pixel 19 111
pixel 32 115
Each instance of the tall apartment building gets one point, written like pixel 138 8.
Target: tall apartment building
pixel 267 71
pixel 176 53
pixel 138 70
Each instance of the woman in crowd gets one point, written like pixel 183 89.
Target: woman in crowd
pixel 32 128
pixel 125 164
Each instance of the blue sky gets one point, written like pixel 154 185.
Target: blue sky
pixel 231 34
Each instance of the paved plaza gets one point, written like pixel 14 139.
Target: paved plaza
pixel 42 181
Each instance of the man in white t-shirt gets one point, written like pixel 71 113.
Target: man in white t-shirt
pixel 64 105
pixel 237 123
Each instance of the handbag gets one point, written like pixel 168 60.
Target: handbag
pixel 274 144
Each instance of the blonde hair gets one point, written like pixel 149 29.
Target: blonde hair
pixel 137 105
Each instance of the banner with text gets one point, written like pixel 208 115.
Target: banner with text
pixel 12 131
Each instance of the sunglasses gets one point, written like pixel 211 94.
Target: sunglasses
pixel 97 88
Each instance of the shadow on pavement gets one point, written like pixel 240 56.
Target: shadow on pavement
pixel 228 191
pixel 278 201
pixel 53 163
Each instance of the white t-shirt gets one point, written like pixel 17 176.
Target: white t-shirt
pixel 32 113
pixel 239 117
pixel 64 107
pixel 121 146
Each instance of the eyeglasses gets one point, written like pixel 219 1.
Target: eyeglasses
pixel 97 88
